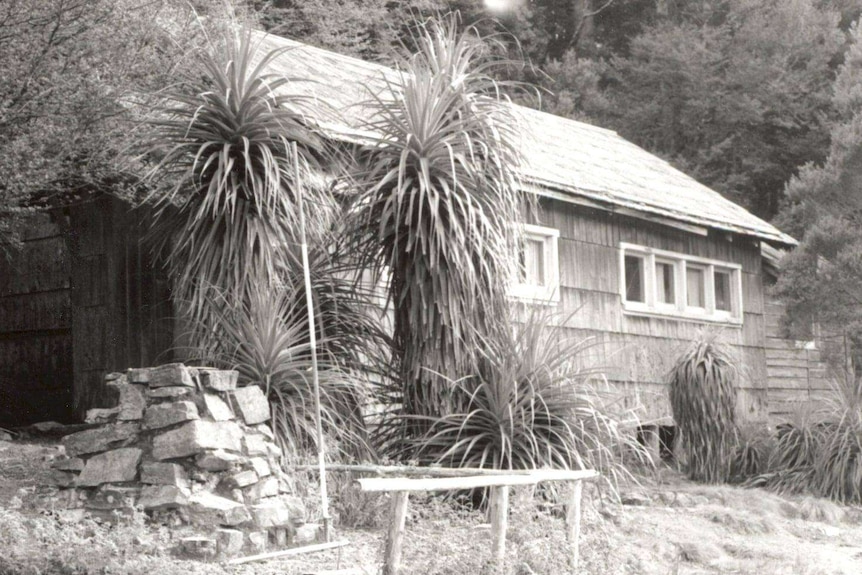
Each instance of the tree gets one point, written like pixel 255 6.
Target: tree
pixel 739 96
pixel 75 76
pixel 820 280
pixel 435 209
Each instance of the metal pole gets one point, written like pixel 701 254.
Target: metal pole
pixel 321 450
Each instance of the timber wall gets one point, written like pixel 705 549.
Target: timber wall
pixel 798 370
pixel 84 297
pixel 637 352
pixel 36 327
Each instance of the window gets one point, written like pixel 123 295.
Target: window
pixel 673 284
pixel 538 273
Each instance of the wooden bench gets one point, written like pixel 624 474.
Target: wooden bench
pixel 499 482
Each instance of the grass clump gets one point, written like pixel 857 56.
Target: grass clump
pixel 703 401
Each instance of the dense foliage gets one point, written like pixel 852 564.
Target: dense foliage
pixel 703 401
pixel 434 209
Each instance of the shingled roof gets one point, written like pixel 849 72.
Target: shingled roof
pixel 563 158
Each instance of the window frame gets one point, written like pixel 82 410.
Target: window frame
pixel 539 294
pixel 680 308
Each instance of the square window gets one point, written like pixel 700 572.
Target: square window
pixel 533 262
pixel 695 286
pixel 723 301
pixel 537 277
pixel 665 283
pixel 634 266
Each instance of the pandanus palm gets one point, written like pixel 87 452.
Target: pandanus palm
pixel 436 213
pixel 224 135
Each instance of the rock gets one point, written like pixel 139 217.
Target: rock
pixel 165 414
pixel 285 484
pixel 170 374
pixel 138 375
pixel 162 392
pixel 278 537
pixel 270 513
pixel 266 488
pixel 635 499
pixel 164 474
pixel 99 439
pixel 71 516
pixel 254 445
pixel 109 501
pixel 257 542
pixel 217 408
pixel 5 436
pixel 102 415
pixel 260 466
pixel 116 466
pixel 62 478
pixel 219 380
pixel 198 547
pixel 230 542
pixel 242 479
pixel 305 534
pixel 163 497
pixel 131 402
pixel 296 508
pixel 266 430
pixel 252 404
pixel 68 464
pixel 217 460
pixel 195 437
pixel 208 509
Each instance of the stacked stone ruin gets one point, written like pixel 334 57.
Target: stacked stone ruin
pixel 186 444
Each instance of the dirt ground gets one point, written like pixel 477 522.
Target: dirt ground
pixel 666 526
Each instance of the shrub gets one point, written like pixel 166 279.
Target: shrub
pixel 820 452
pixel 703 400
pixel 265 338
pixel 529 407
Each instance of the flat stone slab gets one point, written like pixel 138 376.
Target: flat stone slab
pixel 206 508
pixel 170 374
pixel 260 466
pixel 116 466
pixel 252 404
pixel 230 542
pixel 165 414
pixel 267 487
pixel 68 464
pixel 163 497
pixel 102 415
pixel 217 408
pixel 270 513
pixel 131 402
pixel 99 439
pixel 164 474
pixel 198 547
pixel 195 437
pixel 242 479
pixel 217 460
pixel 171 391
pixel 254 445
pixel 219 379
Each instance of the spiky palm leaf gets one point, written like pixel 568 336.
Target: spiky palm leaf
pixel 531 406
pixel 223 136
pixel 264 336
pixel 438 207
pixel 703 401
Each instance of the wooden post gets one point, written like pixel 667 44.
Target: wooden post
pixel 499 524
pixel 573 524
pixel 395 536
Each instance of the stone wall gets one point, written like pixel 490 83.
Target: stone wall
pixel 188 447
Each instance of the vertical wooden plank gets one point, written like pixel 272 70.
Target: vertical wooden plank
pixel 573 524
pixel 395 536
pixel 499 525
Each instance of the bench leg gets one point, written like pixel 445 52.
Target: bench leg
pixel 395 536
pixel 573 524
pixel 499 524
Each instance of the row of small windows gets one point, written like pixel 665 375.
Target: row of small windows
pixel 652 281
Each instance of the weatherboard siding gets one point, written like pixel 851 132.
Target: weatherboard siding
pixel 636 352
